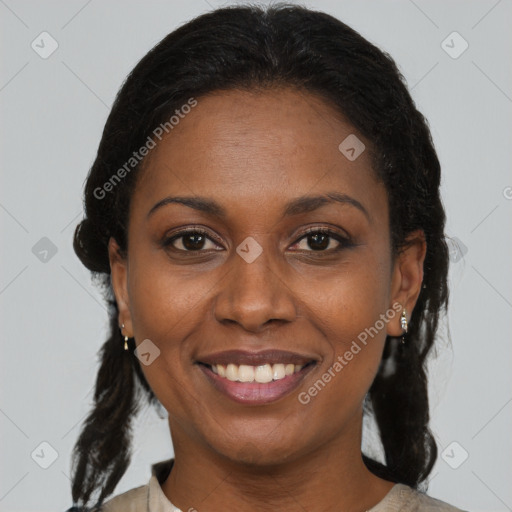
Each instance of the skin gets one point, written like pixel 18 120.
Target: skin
pixel 252 153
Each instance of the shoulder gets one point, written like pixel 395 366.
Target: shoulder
pixel 411 500
pixel 134 500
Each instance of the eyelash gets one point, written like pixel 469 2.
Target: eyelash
pixel 344 242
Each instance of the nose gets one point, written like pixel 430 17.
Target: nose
pixel 254 293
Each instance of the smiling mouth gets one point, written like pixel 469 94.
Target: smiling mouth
pixel 261 374
pixel 250 390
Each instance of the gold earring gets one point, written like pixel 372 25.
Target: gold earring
pixel 403 323
pixel 125 338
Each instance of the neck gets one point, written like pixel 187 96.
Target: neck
pixel 332 477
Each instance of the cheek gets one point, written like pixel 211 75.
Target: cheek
pixel 165 308
pixel 164 314
pixel 352 314
pixel 348 299
pixel 168 307
pixel 347 373
pixel 165 300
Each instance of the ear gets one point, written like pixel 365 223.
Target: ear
pixel 119 278
pixel 407 279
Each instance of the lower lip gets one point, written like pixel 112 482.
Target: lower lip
pixel 256 393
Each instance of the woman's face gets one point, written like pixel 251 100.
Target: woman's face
pixel 255 280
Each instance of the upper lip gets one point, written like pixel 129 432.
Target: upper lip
pixel 269 356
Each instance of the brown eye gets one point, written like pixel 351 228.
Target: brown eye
pixel 191 240
pixel 319 239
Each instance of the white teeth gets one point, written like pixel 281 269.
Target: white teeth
pixel 278 371
pixel 245 373
pixel 232 372
pixel 262 374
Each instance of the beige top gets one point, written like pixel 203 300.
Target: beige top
pixel 151 498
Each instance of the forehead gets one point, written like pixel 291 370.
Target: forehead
pixel 253 148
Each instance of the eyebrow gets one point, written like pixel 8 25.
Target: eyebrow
pixel 302 204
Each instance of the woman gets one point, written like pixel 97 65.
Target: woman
pixel 264 216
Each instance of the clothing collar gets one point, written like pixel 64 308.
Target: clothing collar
pixel 157 500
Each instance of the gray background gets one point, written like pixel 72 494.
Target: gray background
pixel 52 113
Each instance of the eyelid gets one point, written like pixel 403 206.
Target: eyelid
pixel 193 229
pixel 325 229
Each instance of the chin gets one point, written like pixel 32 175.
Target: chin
pixel 252 453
